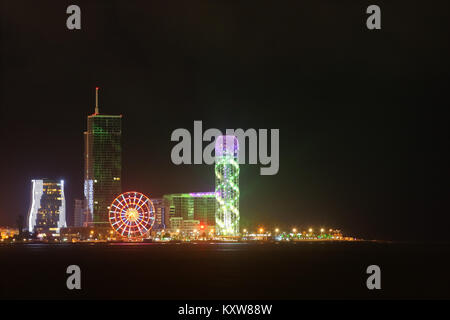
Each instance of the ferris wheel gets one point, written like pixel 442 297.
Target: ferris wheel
pixel 132 215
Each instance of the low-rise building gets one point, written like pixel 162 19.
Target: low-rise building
pixel 199 206
pixel 6 232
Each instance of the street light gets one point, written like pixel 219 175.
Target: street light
pixel 310 230
pixel 261 230
pixel 322 230
pixel 245 230
pixel 277 230
pixel 294 230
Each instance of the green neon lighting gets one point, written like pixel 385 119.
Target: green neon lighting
pixel 227 186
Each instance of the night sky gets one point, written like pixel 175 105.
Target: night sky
pixel 363 136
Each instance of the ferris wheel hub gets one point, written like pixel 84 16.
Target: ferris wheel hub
pixel 132 214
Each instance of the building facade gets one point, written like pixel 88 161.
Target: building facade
pixel 103 165
pixel 205 208
pixel 158 204
pixel 199 206
pixel 80 211
pixel 184 228
pixel 48 206
pixel 175 224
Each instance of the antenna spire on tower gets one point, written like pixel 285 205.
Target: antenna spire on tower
pixel 96 101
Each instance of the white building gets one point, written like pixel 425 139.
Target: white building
pixel 48 206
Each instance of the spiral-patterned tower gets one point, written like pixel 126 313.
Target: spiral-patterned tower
pixel 227 186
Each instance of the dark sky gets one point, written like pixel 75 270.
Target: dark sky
pixel 363 137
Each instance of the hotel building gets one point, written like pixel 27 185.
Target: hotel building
pixel 48 206
pixel 200 206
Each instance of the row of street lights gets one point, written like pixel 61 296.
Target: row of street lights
pixel 294 230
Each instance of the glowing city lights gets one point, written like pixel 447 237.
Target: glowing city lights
pixel 227 186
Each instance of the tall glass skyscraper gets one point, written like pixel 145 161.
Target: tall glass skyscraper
pixel 48 206
pixel 103 164
pixel 227 186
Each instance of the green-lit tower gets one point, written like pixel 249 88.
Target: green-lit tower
pixel 227 186
pixel 103 164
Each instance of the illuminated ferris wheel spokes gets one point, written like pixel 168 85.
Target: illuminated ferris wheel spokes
pixel 132 215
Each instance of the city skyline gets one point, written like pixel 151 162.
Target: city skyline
pixel 222 159
pixel 361 135
pixel 103 171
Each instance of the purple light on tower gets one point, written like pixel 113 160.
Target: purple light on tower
pixel 202 194
pixel 227 146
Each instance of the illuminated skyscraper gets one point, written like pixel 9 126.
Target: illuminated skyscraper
pixel 103 164
pixel 48 206
pixel 227 186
